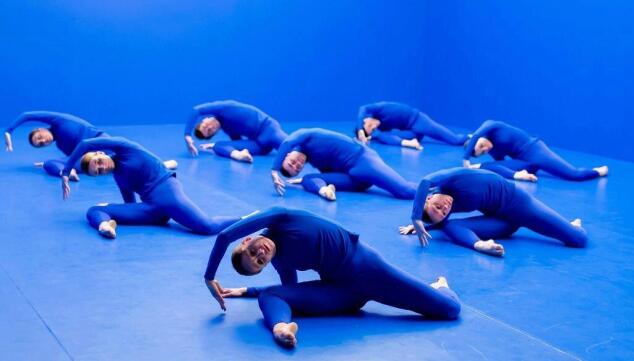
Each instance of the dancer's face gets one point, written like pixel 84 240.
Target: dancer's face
pixel 208 127
pixel 41 137
pixel 438 207
pixel 100 164
pixel 370 124
pixel 294 162
pixel 483 146
pixel 256 252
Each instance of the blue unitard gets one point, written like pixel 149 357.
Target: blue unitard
pixel 504 206
pixel 344 162
pixel 68 130
pixel 526 152
pixel 247 126
pixel 400 121
pixel 351 273
pixel 137 171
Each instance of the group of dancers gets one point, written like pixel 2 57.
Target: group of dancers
pixel 351 273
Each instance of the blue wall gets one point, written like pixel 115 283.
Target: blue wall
pixel 122 61
pixel 563 70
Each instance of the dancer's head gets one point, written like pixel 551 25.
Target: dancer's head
pixel 207 128
pixel 369 125
pixel 252 255
pixel 40 137
pixel 483 146
pixel 293 163
pixel 437 207
pixel 97 163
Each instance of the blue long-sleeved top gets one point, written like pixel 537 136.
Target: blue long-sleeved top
pixel 303 241
pixel 325 150
pixel 507 140
pixel 67 129
pixel 136 169
pixel 471 189
pixel 236 119
pixel 392 115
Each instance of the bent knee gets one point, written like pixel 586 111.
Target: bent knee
pixel 580 241
pixel 450 311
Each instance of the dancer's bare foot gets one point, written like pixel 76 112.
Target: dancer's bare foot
pixel 297 180
pixel 523 175
pixel 603 170
pixel 171 164
pixel 73 176
pixel 411 143
pixel 328 192
pixel 108 229
pixel 409 229
pixel 440 282
pixel 576 222
pixel 489 247
pixel 242 156
pixel 284 333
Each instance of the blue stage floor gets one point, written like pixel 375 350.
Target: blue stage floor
pixel 66 293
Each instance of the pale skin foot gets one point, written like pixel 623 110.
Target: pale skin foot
pixel 576 222
pixel 242 156
pixel 603 170
pixel 73 175
pixel 108 229
pixel 171 164
pixel 489 247
pixel 409 229
pixel 284 333
pixel 523 175
pixel 411 143
pixel 328 192
pixel 475 166
pixel 295 180
pixel 440 282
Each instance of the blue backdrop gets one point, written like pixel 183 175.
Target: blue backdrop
pixel 559 69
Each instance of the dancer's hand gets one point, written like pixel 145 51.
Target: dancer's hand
pixel 466 163
pixel 234 292
pixel 216 291
pixel 7 140
pixel 421 232
pixel 523 175
pixel 191 146
pixel 409 229
pixel 278 183
pixel 65 187
pixel 361 136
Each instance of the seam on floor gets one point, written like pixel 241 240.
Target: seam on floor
pixel 522 332
pixel 39 316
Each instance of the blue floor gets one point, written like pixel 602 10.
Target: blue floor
pixel 67 293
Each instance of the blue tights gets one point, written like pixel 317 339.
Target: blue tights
pixel 368 170
pixel 167 201
pixel 365 277
pixel 270 138
pixel 424 126
pixel 539 156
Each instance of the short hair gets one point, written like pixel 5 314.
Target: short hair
pixel 85 162
pixel 284 172
pixel 236 261
pixel 198 133
pixel 426 218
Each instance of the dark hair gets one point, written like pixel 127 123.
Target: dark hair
pixel 199 134
pixel 236 261
pixel 284 172
pixel 426 218
pixel 32 133
pixel 85 162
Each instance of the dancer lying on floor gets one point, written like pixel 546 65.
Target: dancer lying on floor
pixel 345 165
pixel 505 209
pixel 528 155
pixel 252 131
pixel 351 273
pixel 65 130
pixel 399 124
pixel 137 171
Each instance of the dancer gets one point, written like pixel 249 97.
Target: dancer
pixel 137 171
pixel 400 124
pixel 528 154
pixel 252 131
pixel 505 209
pixel 344 164
pixel 351 273
pixel 65 130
